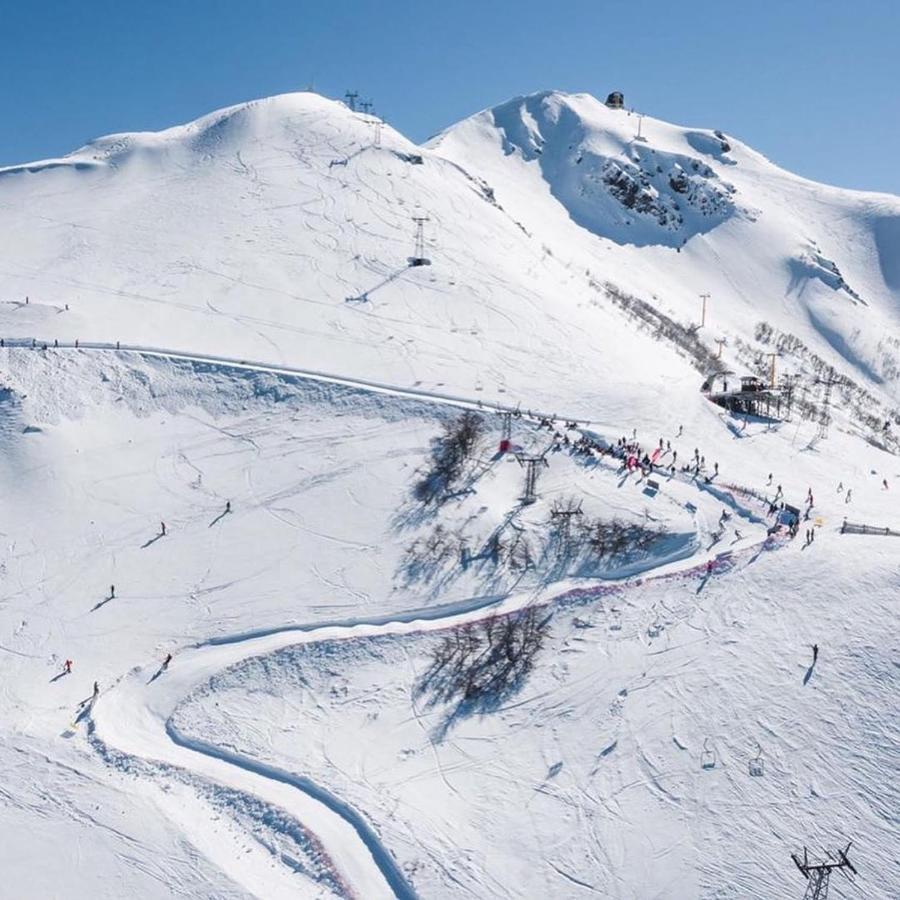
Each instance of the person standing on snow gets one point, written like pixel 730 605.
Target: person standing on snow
pixel 166 662
pixel 162 528
pixel 96 689
pixel 67 667
pixel 815 653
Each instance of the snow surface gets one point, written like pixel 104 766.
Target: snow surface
pixel 288 750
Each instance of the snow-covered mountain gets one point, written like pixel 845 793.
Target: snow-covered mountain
pixel 249 229
pixel 244 462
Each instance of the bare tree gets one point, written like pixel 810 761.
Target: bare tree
pixel 479 665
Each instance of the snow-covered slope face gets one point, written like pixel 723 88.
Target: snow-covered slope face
pixel 612 183
pixel 320 643
pixel 248 232
pixel 281 230
pixel 670 212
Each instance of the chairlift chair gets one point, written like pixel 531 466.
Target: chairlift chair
pixel 757 764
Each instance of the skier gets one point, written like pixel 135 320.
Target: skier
pixel 709 568
pixel 166 662
pixel 228 506
pixel 67 667
pixel 112 591
pixel 737 535
pixel 840 487
pixel 884 483
pixel 849 492
pixel 680 431
pixel 96 689
pixel 815 653
pixel 162 528
pixel 716 468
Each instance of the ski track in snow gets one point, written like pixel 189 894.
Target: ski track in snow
pixel 132 721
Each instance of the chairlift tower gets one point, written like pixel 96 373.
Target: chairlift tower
pixel 418 258
pixel 825 419
pixel 563 516
pixel 531 464
pixel 704 299
pixel 351 98
pixel 790 384
pixel 772 357
pixel 365 106
pixel 818 874
pixel 639 136
pixel 506 433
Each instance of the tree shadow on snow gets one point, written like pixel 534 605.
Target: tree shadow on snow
pixel 480 666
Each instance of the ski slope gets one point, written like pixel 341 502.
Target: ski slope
pixel 289 749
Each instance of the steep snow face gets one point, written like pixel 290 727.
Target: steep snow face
pixel 668 213
pixel 609 181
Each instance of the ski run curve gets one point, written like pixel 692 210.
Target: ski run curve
pixel 132 721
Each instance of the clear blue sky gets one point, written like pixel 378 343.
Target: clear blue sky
pixel 813 84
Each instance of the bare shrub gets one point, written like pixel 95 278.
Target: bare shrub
pixel 427 555
pixel 449 453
